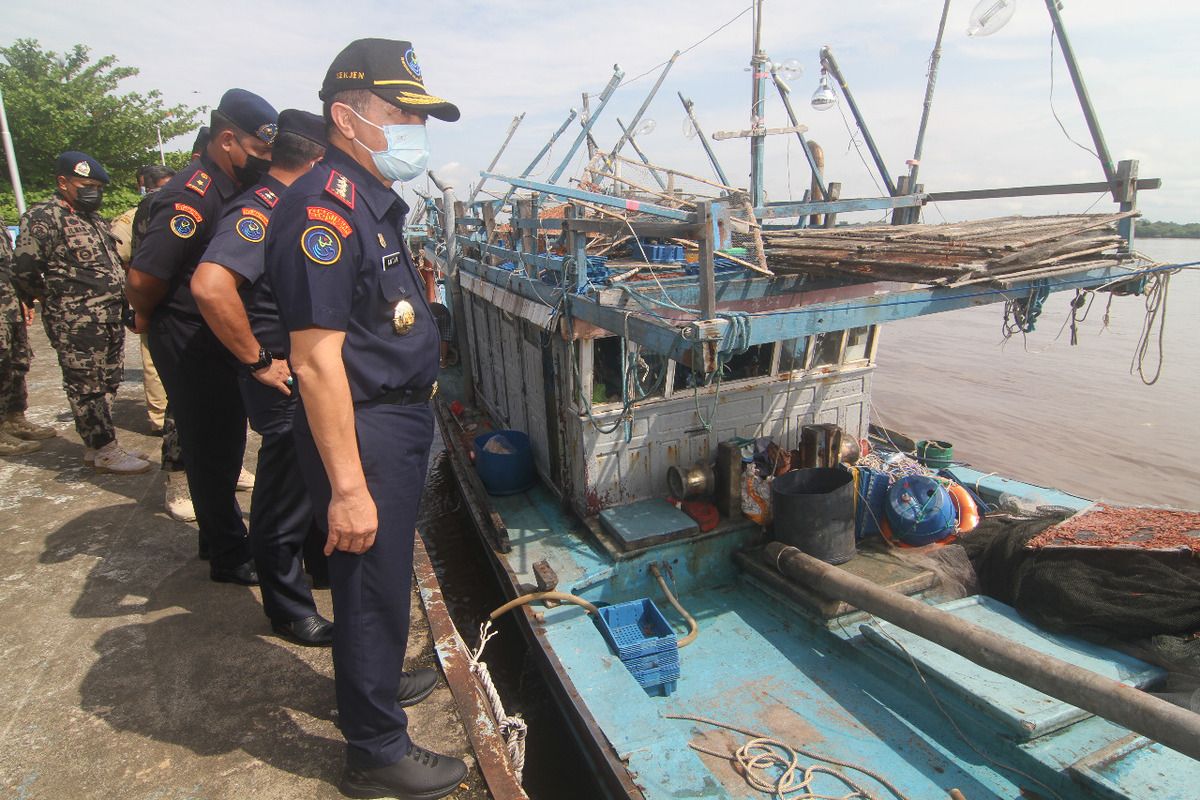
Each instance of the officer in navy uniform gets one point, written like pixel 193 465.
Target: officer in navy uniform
pixel 364 349
pixel 200 375
pixel 237 303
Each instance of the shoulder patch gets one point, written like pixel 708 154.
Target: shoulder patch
pixel 186 209
pixel 340 187
pixel 321 244
pixel 268 198
pixel 250 228
pixel 199 182
pixel 183 226
pixel 249 211
pixel 335 219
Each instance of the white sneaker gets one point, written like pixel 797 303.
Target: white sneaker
pixel 245 480
pixel 179 499
pixel 111 458
pixel 89 456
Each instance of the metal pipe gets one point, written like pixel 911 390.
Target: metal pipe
pixel 10 154
pixel 633 143
pixel 541 154
pixel 605 96
pixel 1085 102
pixel 759 73
pixel 934 59
pixel 828 61
pixel 512 128
pixel 712 157
pixel 1168 724
pixel 645 104
pixel 458 308
pixel 784 95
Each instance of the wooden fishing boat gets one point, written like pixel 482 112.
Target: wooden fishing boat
pixel 614 334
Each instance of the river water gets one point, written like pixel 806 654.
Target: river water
pixel 1052 414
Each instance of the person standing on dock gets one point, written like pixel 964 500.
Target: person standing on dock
pixel 18 435
pixel 67 257
pixel 198 372
pixel 364 349
pixel 239 306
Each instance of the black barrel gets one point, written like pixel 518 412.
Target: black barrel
pixel 814 511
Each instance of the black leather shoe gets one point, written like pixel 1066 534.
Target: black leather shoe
pixel 314 631
pixel 420 775
pixel 243 574
pixel 415 686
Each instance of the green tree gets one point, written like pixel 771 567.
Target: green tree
pixel 67 101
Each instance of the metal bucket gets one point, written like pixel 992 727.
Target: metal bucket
pixel 813 510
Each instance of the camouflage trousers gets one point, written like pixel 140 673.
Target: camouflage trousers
pixel 14 357
pixel 92 357
pixel 172 452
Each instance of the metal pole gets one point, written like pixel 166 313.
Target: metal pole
pixel 458 310
pixel 605 95
pixel 784 95
pixel 541 153
pixel 512 128
pixel 1171 725
pixel 645 104
pixel 10 154
pixel 758 71
pixel 1085 102
pixel 828 61
pixel 633 143
pixel 934 59
pixel 162 153
pixel 688 105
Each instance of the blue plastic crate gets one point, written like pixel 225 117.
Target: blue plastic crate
pixel 636 629
pixel 661 660
pixel 661 690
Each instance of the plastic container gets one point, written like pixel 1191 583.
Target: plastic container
pixel 505 473
pixel 920 511
pixel 636 629
pixel 934 454
pixel 872 499
pixel 814 511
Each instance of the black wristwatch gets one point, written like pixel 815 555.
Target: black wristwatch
pixel 265 357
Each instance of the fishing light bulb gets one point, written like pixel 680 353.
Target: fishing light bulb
pixel 990 16
pixel 791 69
pixel 689 129
pixel 824 98
pixel 647 126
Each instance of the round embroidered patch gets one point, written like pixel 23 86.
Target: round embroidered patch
pixel 321 244
pixel 183 226
pixel 410 61
pixel 250 229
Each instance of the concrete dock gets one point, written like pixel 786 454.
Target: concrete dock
pixel 127 673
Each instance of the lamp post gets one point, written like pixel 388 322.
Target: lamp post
pixel 11 155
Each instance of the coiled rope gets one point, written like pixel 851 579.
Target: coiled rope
pixel 512 728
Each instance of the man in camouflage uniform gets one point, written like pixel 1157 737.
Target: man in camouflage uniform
pixel 17 434
pixel 67 258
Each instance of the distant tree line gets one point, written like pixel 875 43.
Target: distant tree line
pixel 1168 230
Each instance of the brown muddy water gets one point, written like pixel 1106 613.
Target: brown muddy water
pixel 1052 414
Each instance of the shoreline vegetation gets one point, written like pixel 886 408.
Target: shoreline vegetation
pixel 1168 230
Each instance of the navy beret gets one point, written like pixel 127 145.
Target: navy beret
pixel 303 123
pixel 80 165
pixel 250 113
pixel 390 69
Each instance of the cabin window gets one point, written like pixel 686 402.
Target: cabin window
pixel 827 349
pixel 792 354
pixel 858 344
pixel 754 363
pixel 648 373
pixel 607 372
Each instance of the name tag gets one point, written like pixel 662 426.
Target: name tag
pixel 390 260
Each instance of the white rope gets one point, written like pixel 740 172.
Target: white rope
pixel 513 728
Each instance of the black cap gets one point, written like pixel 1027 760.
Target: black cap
pixel 303 123
pixel 389 68
pixel 80 165
pixel 250 113
pixel 202 137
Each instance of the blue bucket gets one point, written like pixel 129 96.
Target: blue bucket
pixel 920 511
pixel 505 473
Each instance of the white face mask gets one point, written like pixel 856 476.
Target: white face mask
pixel 407 151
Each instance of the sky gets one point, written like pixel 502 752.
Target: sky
pixel 992 122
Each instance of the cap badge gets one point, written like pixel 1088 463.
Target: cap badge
pixel 267 132
pixel 410 61
pixel 83 168
pixel 403 318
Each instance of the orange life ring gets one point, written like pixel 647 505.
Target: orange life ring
pixel 964 507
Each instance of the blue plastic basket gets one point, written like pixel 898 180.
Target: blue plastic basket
pixel 636 629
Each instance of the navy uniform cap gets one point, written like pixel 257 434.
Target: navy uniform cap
pixel 80 165
pixel 303 123
pixel 250 113
pixel 390 69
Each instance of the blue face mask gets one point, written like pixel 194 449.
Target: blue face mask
pixel 406 154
